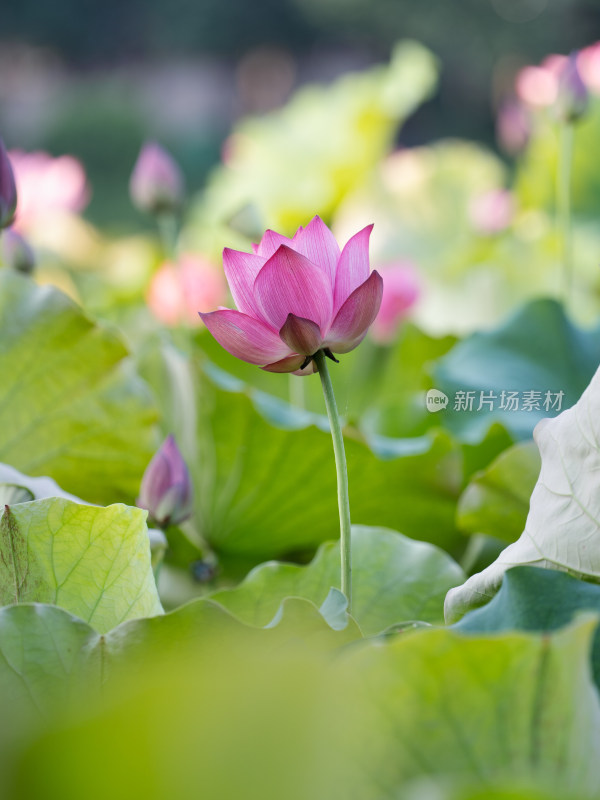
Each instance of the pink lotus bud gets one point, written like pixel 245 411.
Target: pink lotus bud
pixel 492 212
pixel 297 296
pixel 166 490
pixel 513 127
pixel 16 252
pixel 176 291
pixel 156 183
pixel 572 98
pixel 8 189
pixel 401 290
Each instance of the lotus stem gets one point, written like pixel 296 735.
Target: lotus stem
pixel 342 476
pixel 563 205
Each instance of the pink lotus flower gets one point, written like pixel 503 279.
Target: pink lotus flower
pixel 177 290
pixel 401 290
pixel 297 296
pixel 46 185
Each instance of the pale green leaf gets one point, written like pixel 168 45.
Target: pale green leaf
pixel 496 501
pixel 70 406
pixel 93 562
pixel 394 579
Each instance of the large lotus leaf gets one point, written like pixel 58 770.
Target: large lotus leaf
pixel 537 350
pixel 70 407
pixel 562 528
pixel 496 501
pixel 93 562
pixel 264 471
pixel 499 708
pixel 395 579
pixel 534 599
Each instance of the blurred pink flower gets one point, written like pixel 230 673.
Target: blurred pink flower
pixel 537 86
pixel 513 126
pixel 46 185
pixel 401 290
pixel 296 297
pixel 588 63
pixel 156 184
pixel 177 291
pixel 492 212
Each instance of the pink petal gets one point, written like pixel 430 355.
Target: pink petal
pixel 290 284
pixel 356 314
pixel 270 243
pixel 289 364
pixel 301 335
pixel 318 244
pixel 241 270
pixel 353 267
pixel 245 337
pixel 309 370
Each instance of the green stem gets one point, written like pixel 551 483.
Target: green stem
pixel 563 205
pixel 342 475
pixel 167 231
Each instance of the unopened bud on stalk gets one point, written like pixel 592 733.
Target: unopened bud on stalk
pixel 16 252
pixel 572 98
pixel 166 490
pixel 156 183
pixel 8 189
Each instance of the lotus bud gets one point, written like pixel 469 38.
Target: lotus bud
pixel 156 183
pixel 572 98
pixel 166 490
pixel 8 189
pixel 16 252
pixel 513 127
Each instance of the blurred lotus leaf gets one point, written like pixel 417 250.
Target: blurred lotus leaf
pixel 306 157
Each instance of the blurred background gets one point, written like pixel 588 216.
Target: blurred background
pixel 94 78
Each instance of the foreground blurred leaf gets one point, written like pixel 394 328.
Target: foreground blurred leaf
pixel 502 708
pixel 395 579
pixel 51 660
pixel 496 501
pixel 514 709
pixel 93 562
pixel 69 407
pixel 534 599
pixel 562 528
pixel 537 349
